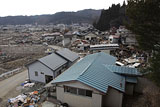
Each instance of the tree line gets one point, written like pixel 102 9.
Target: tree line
pixel 112 17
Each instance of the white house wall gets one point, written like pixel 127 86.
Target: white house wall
pixel 39 67
pixel 77 100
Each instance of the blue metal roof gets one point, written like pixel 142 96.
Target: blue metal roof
pixel 92 72
pixel 123 70
pixel 131 79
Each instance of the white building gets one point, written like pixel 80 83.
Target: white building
pixel 47 68
pixel 113 39
pixel 95 81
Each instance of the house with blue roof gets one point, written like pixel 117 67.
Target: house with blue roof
pixel 95 81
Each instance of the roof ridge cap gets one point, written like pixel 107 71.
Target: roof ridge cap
pixel 89 65
pixel 106 66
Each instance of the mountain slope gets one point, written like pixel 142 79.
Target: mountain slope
pixel 112 17
pixel 83 16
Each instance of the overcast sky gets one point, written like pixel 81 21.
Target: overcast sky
pixel 37 7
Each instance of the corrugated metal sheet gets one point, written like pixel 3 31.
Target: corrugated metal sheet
pixel 92 72
pixel 76 70
pixel 69 55
pixel 123 70
pixel 53 61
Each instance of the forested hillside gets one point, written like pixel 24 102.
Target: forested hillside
pixel 83 16
pixel 112 17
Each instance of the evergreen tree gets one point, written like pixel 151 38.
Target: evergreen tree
pixel 144 21
pixel 112 17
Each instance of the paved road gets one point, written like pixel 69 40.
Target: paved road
pixel 8 84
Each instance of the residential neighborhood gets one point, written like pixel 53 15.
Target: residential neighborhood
pixel 80 68
pixel 96 76
pixel 80 53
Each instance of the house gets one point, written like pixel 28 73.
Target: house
pixel 95 81
pixel 68 38
pixel 91 37
pixel 114 39
pixel 47 68
pixel 81 45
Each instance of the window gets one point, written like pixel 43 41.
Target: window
pixel 78 91
pixel 88 93
pixel 70 90
pixel 87 38
pixel 36 73
pixel 73 90
pixel 42 72
pixel 81 92
pixel 66 89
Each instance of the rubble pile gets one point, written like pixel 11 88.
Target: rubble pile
pixel 131 57
pixel 25 100
pixel 32 95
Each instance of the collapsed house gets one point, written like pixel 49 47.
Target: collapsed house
pixel 47 68
pixel 52 38
pixel 95 81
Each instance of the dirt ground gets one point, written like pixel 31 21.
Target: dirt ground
pixel 12 57
pixel 10 65
pixel 149 96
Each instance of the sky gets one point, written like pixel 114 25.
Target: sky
pixel 38 7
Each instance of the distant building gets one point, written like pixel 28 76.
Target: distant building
pixel 68 38
pixel 113 39
pixel 82 47
pixel 91 37
pixel 103 48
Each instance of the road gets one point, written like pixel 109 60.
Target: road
pixel 9 84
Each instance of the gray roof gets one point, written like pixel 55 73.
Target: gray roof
pixel 67 54
pixel 53 61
